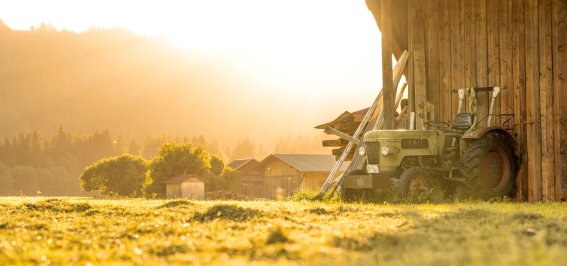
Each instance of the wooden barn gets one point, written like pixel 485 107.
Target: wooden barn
pixel 519 45
pixel 185 186
pixel 243 165
pixel 290 172
pixel 249 183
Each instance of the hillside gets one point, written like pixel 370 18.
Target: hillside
pixel 113 79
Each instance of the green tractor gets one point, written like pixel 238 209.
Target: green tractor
pixel 469 156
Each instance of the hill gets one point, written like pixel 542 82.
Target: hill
pixel 113 79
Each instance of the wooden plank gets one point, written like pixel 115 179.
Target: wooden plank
pixel 559 13
pixel 470 43
pixel 505 35
pixel 493 50
pixel 532 102
pixel 461 56
pixel 481 55
pixel 519 82
pixel 387 83
pixel 400 96
pixel 455 80
pixel 432 53
pixel 334 142
pixel 445 91
pixel 546 106
pixel 419 65
pixel 342 135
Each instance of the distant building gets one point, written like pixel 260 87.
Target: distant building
pixel 185 186
pixel 243 165
pixel 290 172
pixel 250 183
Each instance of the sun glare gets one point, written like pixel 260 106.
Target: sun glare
pixel 313 55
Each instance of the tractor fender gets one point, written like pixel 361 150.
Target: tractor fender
pixel 475 134
pixel 480 132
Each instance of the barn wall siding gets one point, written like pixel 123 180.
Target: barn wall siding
pixel 520 45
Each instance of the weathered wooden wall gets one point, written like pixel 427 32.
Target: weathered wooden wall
pixel 520 45
pixel 279 175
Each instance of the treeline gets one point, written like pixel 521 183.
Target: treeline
pixel 36 163
pixel 33 163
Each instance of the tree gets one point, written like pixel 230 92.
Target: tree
pixel 172 160
pixel 123 176
pixel 134 148
pixel 217 165
pixel 5 180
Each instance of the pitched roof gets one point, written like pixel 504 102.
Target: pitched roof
pixel 236 164
pixel 180 178
pixel 305 162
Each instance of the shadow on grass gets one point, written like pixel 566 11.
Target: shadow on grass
pixel 227 212
pixel 175 203
pixel 56 205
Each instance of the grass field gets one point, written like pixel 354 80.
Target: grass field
pixel 94 231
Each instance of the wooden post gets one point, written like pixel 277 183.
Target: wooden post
pixel 411 84
pixel 419 65
pixel 388 87
pixel 546 99
pixel 533 102
pixel 559 10
pixel 519 86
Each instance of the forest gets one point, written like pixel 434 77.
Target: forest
pixel 34 163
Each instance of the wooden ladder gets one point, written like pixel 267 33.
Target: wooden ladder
pixel 373 119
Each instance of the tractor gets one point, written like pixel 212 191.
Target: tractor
pixel 468 156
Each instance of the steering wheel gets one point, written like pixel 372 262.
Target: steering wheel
pixel 437 124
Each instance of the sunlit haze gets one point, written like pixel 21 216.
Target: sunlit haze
pixel 303 61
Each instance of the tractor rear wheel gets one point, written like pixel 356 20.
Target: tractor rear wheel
pixel 413 180
pixel 489 166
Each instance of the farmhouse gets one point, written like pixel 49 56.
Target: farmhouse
pixel 290 172
pixel 185 186
pixel 249 183
pixel 518 45
pixel 281 173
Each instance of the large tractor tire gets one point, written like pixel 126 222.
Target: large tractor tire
pixel 489 166
pixel 414 180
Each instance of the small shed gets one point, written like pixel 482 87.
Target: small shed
pixel 185 186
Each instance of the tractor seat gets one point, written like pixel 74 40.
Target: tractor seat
pixel 464 121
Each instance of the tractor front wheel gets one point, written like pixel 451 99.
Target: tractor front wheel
pixel 413 180
pixel 354 195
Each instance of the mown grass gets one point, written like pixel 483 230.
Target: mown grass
pixel 84 231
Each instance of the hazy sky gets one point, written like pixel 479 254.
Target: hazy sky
pixel 320 57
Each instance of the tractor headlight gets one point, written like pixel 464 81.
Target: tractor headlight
pixel 361 151
pixel 385 150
